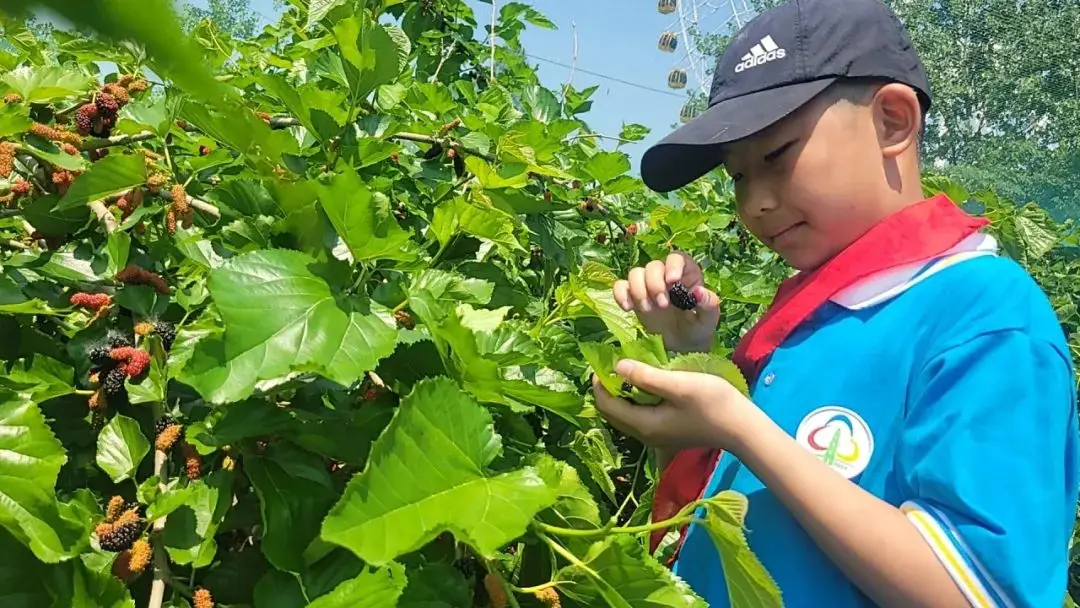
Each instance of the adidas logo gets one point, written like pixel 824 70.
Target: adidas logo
pixel 763 52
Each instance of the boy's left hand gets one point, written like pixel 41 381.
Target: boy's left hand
pixel 698 409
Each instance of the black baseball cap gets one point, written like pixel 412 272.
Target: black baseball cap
pixel 777 62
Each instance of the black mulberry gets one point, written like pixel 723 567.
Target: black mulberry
pixel 681 297
pixel 114 380
pixel 98 354
pixel 162 423
pixel 121 534
pixel 433 152
pixel 167 331
pixel 118 340
pixel 107 105
pixel 626 387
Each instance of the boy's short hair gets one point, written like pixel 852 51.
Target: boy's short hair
pixel 859 92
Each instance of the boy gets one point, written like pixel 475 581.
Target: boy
pixel 911 436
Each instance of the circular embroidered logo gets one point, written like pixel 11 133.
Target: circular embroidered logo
pixel 839 437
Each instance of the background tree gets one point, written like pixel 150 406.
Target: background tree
pixel 234 17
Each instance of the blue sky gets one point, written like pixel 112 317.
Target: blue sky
pixel 628 53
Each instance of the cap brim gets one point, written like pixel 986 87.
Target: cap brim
pixel 691 150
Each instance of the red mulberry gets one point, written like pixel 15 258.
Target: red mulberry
pixel 192 464
pixel 125 79
pixel 117 91
pixel 84 118
pixel 134 275
pixel 495 590
pixel 70 149
pixel 114 509
pixel 91 301
pixel 107 105
pixel 135 359
pixel 20 188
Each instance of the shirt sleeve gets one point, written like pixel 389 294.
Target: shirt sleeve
pixel 988 466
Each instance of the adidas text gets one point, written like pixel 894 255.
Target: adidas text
pixel 765 51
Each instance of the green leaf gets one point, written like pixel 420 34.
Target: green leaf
pixel 40 84
pixel 30 461
pixel 618 572
pixel 280 317
pixel 154 114
pixel 38 377
pixel 117 247
pixel 318 9
pixel 605 166
pixel 435 585
pixel 602 358
pixel 747 580
pixel 113 174
pixel 379 588
pixel 42 214
pixel 54 156
pixel 371 50
pixel 295 493
pixel 369 234
pixel 441 440
pixel 121 446
pixel 13 120
pixel 14 301
pixel 150 387
pixel 711 363
pixel 507 175
pixel 190 529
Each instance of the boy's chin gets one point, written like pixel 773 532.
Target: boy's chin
pixel 802 259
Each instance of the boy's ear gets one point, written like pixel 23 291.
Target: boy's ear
pixel 898 119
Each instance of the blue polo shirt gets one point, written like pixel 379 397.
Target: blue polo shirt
pixel 950 394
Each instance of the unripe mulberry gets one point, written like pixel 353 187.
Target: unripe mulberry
pixel 12 98
pixel 70 149
pixel 167 437
pixel 134 275
pixel 495 590
pixel 125 79
pixel 98 400
pixel 167 332
pixel 91 301
pixel 7 158
pixel 63 180
pixel 84 118
pixel 137 86
pixel 119 92
pixel 632 229
pixel 202 599
pixel 114 509
pixel 144 328
pixel 107 105
pixel 179 199
pixel 155 182
pixel 453 124
pixel 20 188
pixel 114 380
pixel 548 597
pixel 170 220
pixel 135 359
pixel 140 556
pixel 204 150
pixel 192 465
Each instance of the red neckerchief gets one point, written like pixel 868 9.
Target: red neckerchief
pixel 918 232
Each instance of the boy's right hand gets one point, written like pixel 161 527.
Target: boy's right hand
pixel 645 291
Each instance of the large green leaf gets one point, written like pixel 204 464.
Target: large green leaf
pixel 426 475
pixel 370 234
pixel 371 50
pixel 748 583
pixel 379 588
pixel 154 114
pixel 618 572
pixel 280 317
pixel 14 301
pixel 435 585
pixel 111 175
pixel 38 377
pixel 295 492
pixel 30 460
pixel 121 446
pixel 27 583
pixel 190 528
pixel 46 83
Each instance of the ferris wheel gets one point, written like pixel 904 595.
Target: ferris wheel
pixel 692 21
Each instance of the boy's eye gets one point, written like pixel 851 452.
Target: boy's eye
pixel 771 156
pixel 736 177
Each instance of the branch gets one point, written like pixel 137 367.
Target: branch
pixel 116 140
pixel 197 203
pixel 492 36
pixel 103 215
pixel 600 136
pixel 161 559
pixel 428 139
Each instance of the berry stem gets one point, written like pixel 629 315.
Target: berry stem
pixel 103 215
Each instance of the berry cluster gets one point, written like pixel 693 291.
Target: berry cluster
pixel 549 597
pixel 180 209
pixel 121 533
pixel 12 98
pixel 134 275
pixel 132 561
pixel 63 180
pixel 192 464
pixel 166 432
pixel 134 360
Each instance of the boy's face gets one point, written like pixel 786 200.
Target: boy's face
pixel 813 182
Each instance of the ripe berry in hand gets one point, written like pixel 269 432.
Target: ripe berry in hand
pixel 681 297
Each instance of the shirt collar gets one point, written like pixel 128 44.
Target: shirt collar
pixel 888 284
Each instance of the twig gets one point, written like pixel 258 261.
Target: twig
pixel 17 245
pixel 573 63
pixel 103 214
pixel 116 140
pixel 427 139
pixel 197 203
pixel 442 60
pixel 600 136
pixel 161 559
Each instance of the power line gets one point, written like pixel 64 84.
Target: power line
pixel 606 77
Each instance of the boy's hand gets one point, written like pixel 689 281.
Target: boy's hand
pixel 645 291
pixel 698 410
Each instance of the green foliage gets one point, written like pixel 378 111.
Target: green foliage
pixel 390 273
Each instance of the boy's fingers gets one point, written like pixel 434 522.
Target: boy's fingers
pixel 654 281
pixel 639 294
pixel 659 382
pixel 708 307
pixel 681 268
pixel 621 290
pixel 637 420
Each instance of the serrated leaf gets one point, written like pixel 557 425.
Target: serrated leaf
pixel 113 174
pixel 279 317
pixel 402 42
pixel 317 9
pixel 121 446
pixel 379 588
pixel 441 440
pixel 747 580
pixel 190 528
pixel 351 207
pixel 39 377
pixel 435 585
pixel 605 166
pixel 45 83
pixel 371 50
pixel 618 572
pixel 711 363
pixel 295 493
pixel 14 119
pixel 30 461
pixel 153 114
